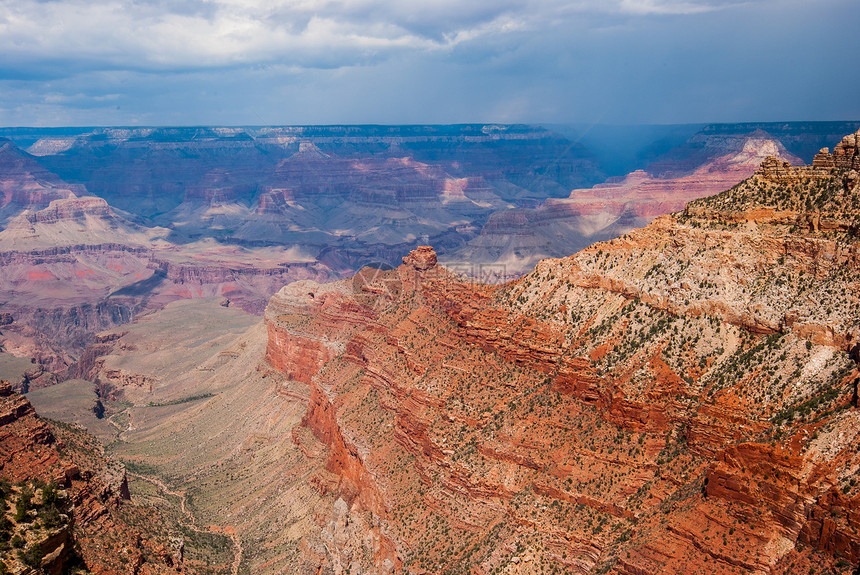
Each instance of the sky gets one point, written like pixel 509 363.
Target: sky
pixel 281 62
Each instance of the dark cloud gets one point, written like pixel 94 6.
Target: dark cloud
pixel 326 61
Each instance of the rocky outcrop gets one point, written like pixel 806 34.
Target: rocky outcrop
pixel 517 239
pixel 299 353
pixel 676 400
pixel 422 259
pixel 74 500
pixel 846 154
pixel 25 184
pixel 71 209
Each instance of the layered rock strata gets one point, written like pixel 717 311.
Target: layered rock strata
pixel 88 520
pixel 518 239
pixel 680 399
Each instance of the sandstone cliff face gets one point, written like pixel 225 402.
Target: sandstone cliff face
pixel 94 526
pixel 680 399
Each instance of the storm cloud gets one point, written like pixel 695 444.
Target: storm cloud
pixel 108 62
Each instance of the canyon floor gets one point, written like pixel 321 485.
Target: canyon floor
pixel 206 431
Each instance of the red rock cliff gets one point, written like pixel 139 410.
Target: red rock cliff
pixel 32 452
pixel 681 399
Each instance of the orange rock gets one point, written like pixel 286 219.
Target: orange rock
pixel 675 400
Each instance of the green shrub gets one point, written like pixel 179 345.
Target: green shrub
pixel 49 495
pixel 51 517
pixel 32 556
pixel 23 505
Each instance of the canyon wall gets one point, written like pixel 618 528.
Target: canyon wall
pixel 87 520
pixel 238 212
pixel 679 399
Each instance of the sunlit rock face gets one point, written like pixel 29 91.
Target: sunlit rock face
pixel 679 399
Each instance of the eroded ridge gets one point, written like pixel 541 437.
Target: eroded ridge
pixel 680 399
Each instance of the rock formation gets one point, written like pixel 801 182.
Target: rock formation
pixel 65 504
pixel 236 213
pixel 422 259
pixel 679 399
pixel 518 239
pixel 278 184
pixel 25 184
pixel 212 212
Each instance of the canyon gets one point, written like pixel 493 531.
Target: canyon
pixel 102 224
pixel 519 238
pixel 156 215
pixel 681 398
